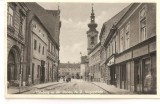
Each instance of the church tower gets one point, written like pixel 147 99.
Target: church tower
pixel 92 33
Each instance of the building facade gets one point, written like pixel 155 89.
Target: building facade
pixel 130 48
pixel 71 69
pixel 84 68
pixel 94 64
pixel 43 44
pixel 16 35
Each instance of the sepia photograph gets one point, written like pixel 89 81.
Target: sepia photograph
pixel 81 48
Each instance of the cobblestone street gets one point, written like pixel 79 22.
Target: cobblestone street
pixel 76 87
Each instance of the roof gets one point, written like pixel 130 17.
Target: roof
pixel 108 24
pixel 69 65
pixel 47 19
pixel 53 11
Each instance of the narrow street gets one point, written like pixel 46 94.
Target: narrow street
pixel 73 87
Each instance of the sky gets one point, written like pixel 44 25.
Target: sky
pixel 75 18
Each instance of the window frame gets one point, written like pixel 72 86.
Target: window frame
pixel 127 36
pixel 122 41
pixel 144 18
pixel 35 44
pixel 11 23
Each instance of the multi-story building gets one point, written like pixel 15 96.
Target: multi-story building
pixel 43 44
pixel 71 69
pixel 108 46
pixel 131 48
pixel 84 68
pixel 94 64
pixel 16 36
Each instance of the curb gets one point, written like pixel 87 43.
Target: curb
pixel 102 88
pixel 47 86
pixel 109 91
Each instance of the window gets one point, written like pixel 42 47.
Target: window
pixel 92 40
pixel 143 29
pixel 127 37
pixel 38 71
pixel 35 44
pixel 43 50
pixel 48 45
pixel 10 16
pixel 52 49
pixel 121 40
pixel 39 47
pixel 143 24
pixel 21 26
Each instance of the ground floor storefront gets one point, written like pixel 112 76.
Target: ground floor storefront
pixel 135 69
pixel 138 75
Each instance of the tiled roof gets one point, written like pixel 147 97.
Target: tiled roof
pixel 108 24
pixel 69 65
pixel 47 19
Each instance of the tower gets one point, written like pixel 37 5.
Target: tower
pixel 92 33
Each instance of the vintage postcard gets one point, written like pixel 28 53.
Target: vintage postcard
pixel 81 49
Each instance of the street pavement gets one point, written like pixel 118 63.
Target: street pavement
pixel 76 87
pixel 73 87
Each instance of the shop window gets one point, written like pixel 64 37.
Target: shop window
pixel 147 79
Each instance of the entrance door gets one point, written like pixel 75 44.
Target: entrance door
pixel 137 76
pixel 113 75
pixel 147 78
pixel 123 76
pixel 11 71
pixel 42 73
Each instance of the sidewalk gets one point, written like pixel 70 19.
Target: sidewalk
pixel 16 90
pixel 112 89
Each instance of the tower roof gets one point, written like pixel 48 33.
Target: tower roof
pixel 92 25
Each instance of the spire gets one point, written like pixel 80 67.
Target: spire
pixel 92 25
pixel 92 9
pixel 58 8
pixel 92 15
